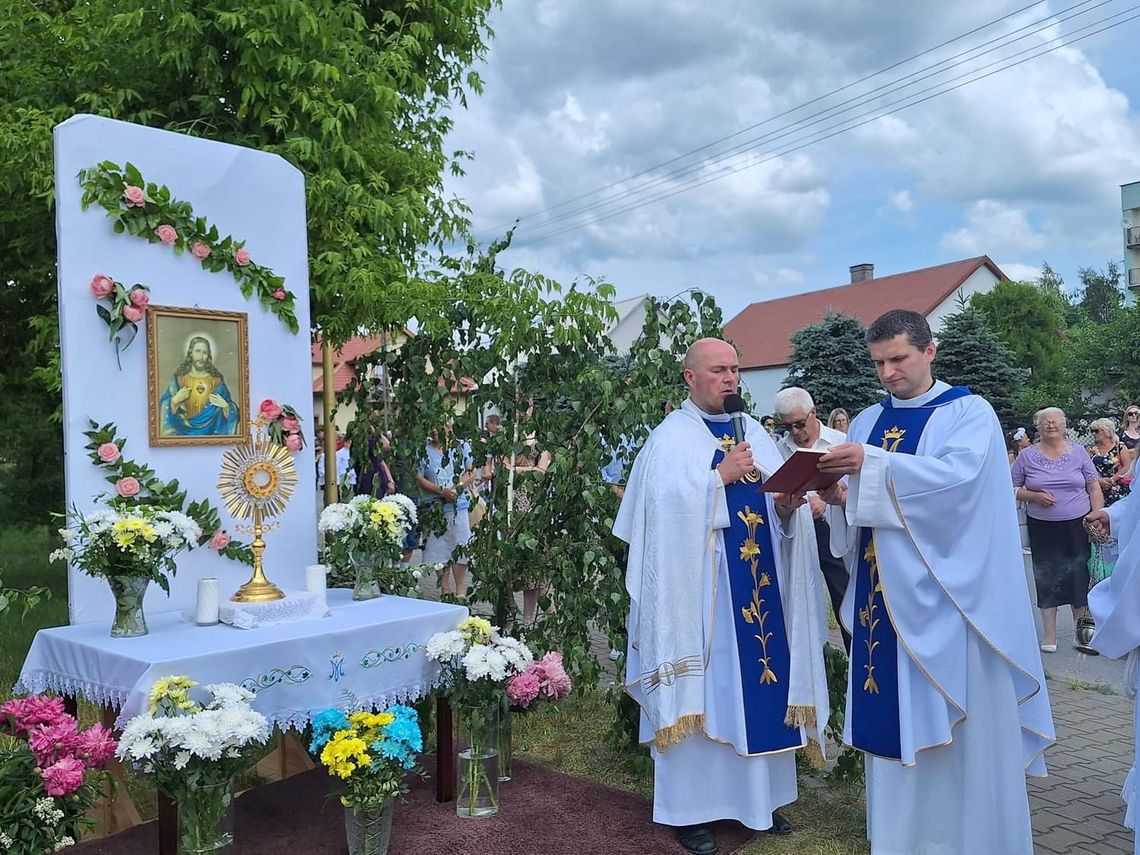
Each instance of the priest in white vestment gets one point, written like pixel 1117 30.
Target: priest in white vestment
pixel 945 693
pixel 1115 605
pixel 726 625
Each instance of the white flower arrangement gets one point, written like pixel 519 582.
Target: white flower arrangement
pixel 365 527
pixel 127 540
pixel 477 661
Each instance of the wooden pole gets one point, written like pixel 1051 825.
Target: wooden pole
pixel 329 402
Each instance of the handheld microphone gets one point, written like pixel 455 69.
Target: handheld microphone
pixel 734 406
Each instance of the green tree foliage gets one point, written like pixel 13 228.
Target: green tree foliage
pixel 1101 294
pixel 352 92
pixel 830 360
pixel 1104 359
pixel 1028 319
pixel 971 354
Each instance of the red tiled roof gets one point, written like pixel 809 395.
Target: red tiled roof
pixel 762 332
pixel 351 350
pixel 342 374
pixel 344 365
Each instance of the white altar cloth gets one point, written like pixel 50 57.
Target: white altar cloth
pixel 371 651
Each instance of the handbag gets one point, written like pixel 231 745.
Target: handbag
pixel 477 511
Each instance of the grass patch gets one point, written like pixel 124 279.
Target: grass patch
pixel 829 819
pixel 23 564
pixel 1099 686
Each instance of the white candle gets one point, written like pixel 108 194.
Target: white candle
pixel 209 602
pixel 315 578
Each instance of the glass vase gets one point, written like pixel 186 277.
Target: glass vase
pixel 477 765
pixel 366 585
pixel 128 592
pixel 205 818
pixel 506 745
pixel 368 829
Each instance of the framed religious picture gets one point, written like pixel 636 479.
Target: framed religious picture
pixel 198 376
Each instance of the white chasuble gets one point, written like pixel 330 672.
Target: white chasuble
pixel 1115 605
pixel 684 663
pixel 973 711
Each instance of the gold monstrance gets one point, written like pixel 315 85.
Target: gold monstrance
pixel 257 481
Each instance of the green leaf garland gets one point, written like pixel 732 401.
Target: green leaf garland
pixel 147 210
pixel 105 448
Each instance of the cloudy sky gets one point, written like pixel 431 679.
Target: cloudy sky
pixel 697 144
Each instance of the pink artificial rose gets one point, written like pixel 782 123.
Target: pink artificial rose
pixel 140 298
pixel 220 540
pixel 102 286
pixel 523 688
pixel 293 441
pixel 127 487
pixel 241 257
pixel 135 196
pixel 133 314
pixel 108 452
pixel 166 234
pixel 95 746
pixel 279 294
pixel 64 777
pixel 270 409
pixel 50 742
pixel 290 424
pixel 200 250
pixel 26 713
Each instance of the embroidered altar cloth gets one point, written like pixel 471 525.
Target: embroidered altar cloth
pixel 368 653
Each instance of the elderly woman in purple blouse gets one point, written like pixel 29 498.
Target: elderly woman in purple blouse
pixel 1057 479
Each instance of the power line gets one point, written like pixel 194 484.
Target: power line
pixel 829 132
pixel 787 112
pixel 893 87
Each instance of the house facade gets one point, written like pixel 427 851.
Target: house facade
pixel 762 332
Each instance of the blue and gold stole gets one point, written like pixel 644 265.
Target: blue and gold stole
pixel 758 612
pixel 874 642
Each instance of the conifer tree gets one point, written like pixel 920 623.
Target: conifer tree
pixel 830 360
pixel 971 354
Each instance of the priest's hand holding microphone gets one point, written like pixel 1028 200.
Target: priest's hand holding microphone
pixel 738 461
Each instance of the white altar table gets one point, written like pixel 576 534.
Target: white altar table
pixel 368 653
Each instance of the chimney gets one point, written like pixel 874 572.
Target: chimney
pixel 862 273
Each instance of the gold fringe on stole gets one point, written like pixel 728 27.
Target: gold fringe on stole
pixel 800 716
pixel 686 725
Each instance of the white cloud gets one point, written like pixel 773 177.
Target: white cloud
pixel 993 227
pixel 901 201
pixel 1019 272
pixel 777 276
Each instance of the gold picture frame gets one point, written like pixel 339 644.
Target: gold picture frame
pixel 197 376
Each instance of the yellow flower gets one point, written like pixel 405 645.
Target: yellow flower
pixel 476 629
pixel 345 753
pixel 368 720
pixel 749 550
pixel 765 580
pixel 750 517
pixel 172 689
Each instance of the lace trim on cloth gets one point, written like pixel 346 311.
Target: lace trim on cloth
pixel 37 682
pixel 299 719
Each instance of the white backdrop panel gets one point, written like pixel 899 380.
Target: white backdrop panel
pixel 252 195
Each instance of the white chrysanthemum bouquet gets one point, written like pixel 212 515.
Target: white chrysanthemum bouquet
pixel 193 751
pixel 369 531
pixel 128 540
pixel 477 661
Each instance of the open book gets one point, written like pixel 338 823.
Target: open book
pixel 799 474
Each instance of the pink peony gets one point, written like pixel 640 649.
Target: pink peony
pixel 293 441
pixel 220 540
pixel 64 777
pixel 95 746
pixel 102 286
pixel 108 452
pixel 523 688
pixel 133 314
pixel 135 196
pixel 557 684
pixel 279 294
pixel 30 712
pixel 290 424
pixel 270 409
pixel 127 487
pixel 200 250
pixel 166 234
pixel 49 742
pixel 140 298
pixel 241 257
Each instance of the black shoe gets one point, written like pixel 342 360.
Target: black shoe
pixel 780 824
pixel 697 839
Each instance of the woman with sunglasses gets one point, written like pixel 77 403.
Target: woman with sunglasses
pixel 1112 459
pixel 1129 432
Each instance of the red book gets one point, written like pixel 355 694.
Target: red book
pixel 799 474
